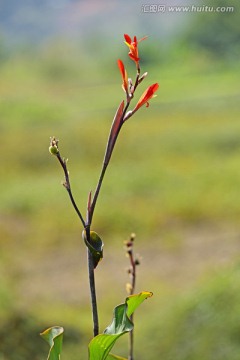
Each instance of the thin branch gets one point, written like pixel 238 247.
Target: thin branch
pixel 54 150
pixel 95 197
pixel 67 186
pixel 131 286
pixel 137 77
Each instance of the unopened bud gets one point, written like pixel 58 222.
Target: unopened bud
pixel 128 244
pixel 142 77
pixel 132 237
pixel 137 262
pixel 53 148
pixel 130 83
pixel 132 89
pixel 128 115
pixel 129 288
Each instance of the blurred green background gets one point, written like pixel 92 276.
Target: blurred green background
pixel 174 178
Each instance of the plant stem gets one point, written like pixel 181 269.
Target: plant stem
pixel 95 197
pixel 93 294
pixel 131 342
pixel 132 273
pixel 133 282
pixel 67 186
pixel 137 77
pixel 91 274
pixel 90 212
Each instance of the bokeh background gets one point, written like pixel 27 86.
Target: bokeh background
pixel 174 179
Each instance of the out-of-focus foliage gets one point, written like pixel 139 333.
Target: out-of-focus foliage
pixel 205 324
pixel 19 338
pixel 216 32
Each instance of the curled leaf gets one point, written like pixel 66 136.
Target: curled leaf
pixel 53 336
pixel 95 245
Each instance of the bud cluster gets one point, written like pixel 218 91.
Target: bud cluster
pixel 134 261
pixel 53 148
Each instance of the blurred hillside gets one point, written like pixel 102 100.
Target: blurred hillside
pixel 174 177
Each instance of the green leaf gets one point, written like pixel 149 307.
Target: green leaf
pixel 134 301
pixel 114 357
pixel 95 245
pixel 53 336
pixel 121 323
pixel 101 345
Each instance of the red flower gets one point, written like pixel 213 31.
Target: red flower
pixel 146 96
pixel 124 76
pixel 133 47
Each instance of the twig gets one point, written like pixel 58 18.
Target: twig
pixel 131 286
pixel 54 150
pixel 67 186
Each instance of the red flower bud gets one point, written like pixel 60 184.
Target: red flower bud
pixel 124 76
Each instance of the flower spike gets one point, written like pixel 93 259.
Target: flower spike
pixel 133 47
